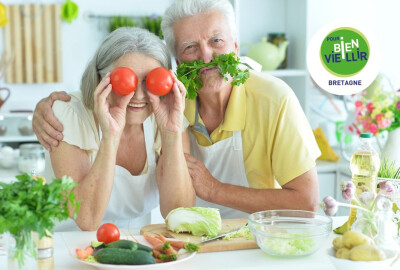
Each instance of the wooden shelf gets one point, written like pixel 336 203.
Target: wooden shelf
pixel 11 120
pixel 287 72
pixel 17 138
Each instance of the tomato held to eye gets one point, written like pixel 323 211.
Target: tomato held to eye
pixel 123 80
pixel 108 233
pixel 159 81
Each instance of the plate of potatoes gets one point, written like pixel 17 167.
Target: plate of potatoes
pixel 354 250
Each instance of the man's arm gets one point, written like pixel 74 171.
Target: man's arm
pixel 300 193
pixel 47 128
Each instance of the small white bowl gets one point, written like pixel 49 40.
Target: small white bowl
pixel 343 264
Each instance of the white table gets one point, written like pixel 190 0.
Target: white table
pixel 242 259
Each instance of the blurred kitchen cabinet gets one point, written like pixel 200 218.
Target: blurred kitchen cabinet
pixel 258 18
pixel 16 128
pixel 327 184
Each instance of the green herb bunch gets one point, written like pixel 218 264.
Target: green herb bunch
pixel 120 21
pixel 389 170
pixel 28 205
pixel 189 72
pixel 153 24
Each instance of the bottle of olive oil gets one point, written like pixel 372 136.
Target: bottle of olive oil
pixel 364 166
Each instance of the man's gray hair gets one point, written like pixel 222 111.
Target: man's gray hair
pixel 118 43
pixel 185 8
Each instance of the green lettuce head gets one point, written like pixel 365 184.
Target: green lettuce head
pixel 198 221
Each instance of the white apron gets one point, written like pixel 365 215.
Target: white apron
pixel 132 197
pixel 224 160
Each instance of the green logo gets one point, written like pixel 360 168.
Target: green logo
pixel 344 52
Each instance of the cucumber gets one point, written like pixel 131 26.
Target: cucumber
pixel 97 245
pixel 126 244
pixel 144 248
pixel 124 256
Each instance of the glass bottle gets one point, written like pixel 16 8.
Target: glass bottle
pixel 364 166
pixel 386 227
pixel 31 157
pixel 45 258
pixel 25 126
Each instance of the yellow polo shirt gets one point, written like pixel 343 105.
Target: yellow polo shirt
pixel 277 140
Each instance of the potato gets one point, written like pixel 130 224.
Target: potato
pixel 366 253
pixel 352 239
pixel 338 243
pixel 343 253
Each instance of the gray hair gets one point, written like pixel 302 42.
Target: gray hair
pixel 185 8
pixel 121 41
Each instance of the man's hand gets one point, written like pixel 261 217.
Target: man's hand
pixel 203 182
pixel 47 128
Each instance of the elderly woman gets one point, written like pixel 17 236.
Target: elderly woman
pixel 112 144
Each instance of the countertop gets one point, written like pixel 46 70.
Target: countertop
pixel 242 259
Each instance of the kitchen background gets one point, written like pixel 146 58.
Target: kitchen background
pixel 298 20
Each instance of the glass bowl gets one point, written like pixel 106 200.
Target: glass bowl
pixel 289 233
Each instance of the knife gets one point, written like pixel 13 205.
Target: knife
pixel 221 235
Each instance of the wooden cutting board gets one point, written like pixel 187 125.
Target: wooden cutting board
pixel 212 246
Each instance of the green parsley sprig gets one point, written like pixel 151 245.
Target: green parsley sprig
pixel 28 206
pixel 189 72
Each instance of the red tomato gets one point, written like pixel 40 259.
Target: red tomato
pixel 108 233
pixel 159 81
pixel 123 80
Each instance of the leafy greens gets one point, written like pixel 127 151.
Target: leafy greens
pixel 28 205
pixel 189 72
pixel 196 220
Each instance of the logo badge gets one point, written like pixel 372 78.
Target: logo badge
pixel 343 59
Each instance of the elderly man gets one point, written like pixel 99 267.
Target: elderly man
pixel 252 148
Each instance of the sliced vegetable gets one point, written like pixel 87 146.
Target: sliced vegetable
pixel 84 253
pixel 242 232
pixel 81 253
pixel 281 245
pixel 97 245
pixel 196 220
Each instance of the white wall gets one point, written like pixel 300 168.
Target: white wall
pixel 81 38
pixel 79 41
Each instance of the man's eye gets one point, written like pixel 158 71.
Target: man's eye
pixel 217 39
pixel 189 49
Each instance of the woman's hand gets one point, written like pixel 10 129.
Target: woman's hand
pixel 111 117
pixel 169 109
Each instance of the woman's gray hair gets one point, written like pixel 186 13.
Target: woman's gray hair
pixel 185 8
pixel 118 43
